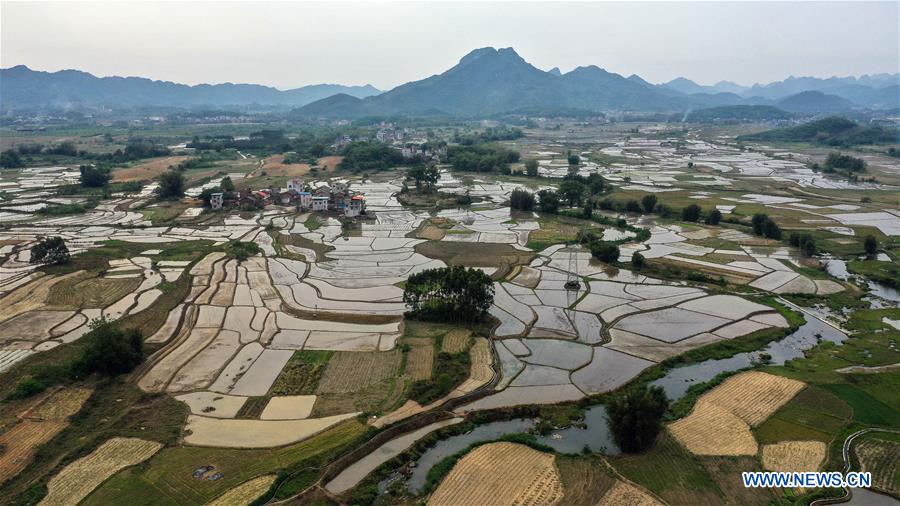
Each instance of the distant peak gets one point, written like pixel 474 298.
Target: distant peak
pixel 487 52
pixel 555 71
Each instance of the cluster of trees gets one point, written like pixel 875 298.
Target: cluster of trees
pixel 837 162
pixel 95 176
pixel 449 294
pixel 306 144
pixel 493 134
pixel 107 351
pixel 242 250
pixel 521 199
pixel 635 418
pixel 364 156
pixel 833 131
pixel 804 242
pixel 50 251
pixel 482 157
pixel 171 185
pixel 135 149
pixel 424 175
pixel 764 226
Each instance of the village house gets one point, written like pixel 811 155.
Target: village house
pixel 320 203
pixel 355 206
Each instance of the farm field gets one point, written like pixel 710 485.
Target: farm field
pixel 501 473
pixel 276 340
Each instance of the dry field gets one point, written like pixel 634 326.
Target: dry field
pixel 274 166
pixel 21 442
pixel 30 296
pixel 501 473
pixel 330 162
pixel 148 170
pixel 420 358
pixel 40 423
pixel 352 371
pixel 59 405
pixel 91 292
pixel 246 492
pixel 712 430
pixel 456 341
pixel 480 371
pixel 721 420
pixel 626 494
pixel 882 459
pixel 81 477
pixel 431 233
pixel 753 396
pixel 803 456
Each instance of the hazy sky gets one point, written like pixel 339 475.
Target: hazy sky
pixel 291 44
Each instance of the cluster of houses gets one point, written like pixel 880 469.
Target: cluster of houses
pixel 320 196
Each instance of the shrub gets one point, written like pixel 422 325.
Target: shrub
pixel 715 216
pixel 588 211
pixel 531 167
pixel 242 250
pixel 26 388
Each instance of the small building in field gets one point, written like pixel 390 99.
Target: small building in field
pixel 320 203
pixel 216 200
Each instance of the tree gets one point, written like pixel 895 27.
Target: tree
pixel 691 213
pixel 574 159
pixel 715 216
pixel 110 351
pixel 804 242
pixel 758 222
pixel 649 202
pixel 605 251
pixel 572 192
pixel 632 206
pixel 10 159
pixel 50 251
pixel 635 418
pixel 596 184
pixel 242 250
pixel 871 245
pixel 771 230
pixel 94 176
pixel 549 201
pixel 421 174
pixel 449 294
pixel 588 210
pixel 171 185
pixel 521 199
pixel 531 167
pixel 637 260
pixel 227 184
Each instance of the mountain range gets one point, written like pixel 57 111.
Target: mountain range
pixel 23 88
pixel 485 82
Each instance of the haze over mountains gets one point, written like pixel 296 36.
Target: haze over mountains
pixel 485 82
